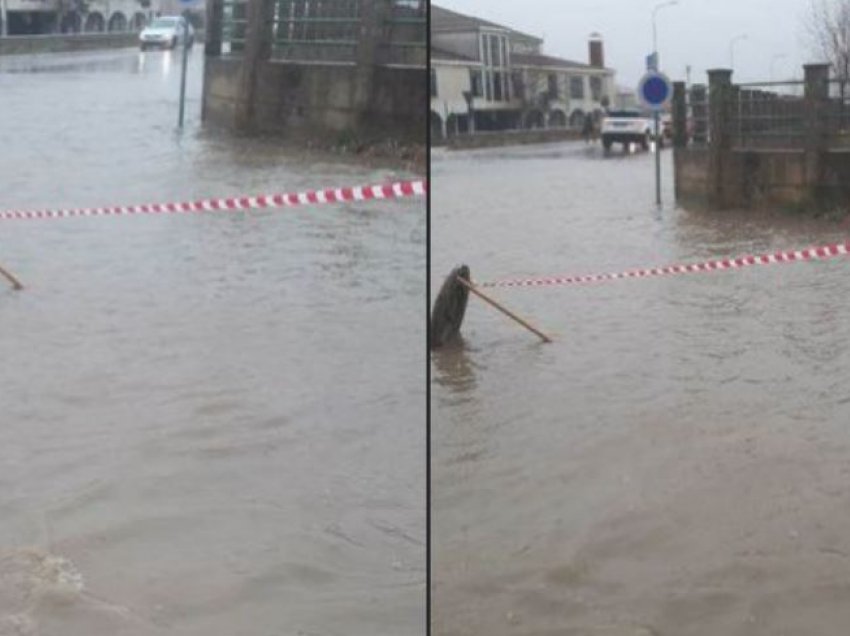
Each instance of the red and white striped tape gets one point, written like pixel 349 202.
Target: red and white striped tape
pixel 791 256
pixel 233 204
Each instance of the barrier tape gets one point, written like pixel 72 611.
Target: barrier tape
pixel 398 189
pixel 811 254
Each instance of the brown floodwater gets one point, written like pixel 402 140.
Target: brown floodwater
pixel 210 424
pixel 678 461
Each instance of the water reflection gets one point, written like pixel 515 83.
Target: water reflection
pixel 454 367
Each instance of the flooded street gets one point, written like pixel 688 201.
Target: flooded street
pixel 212 424
pixel 677 462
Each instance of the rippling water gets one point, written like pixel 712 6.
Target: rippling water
pixel 211 424
pixel 677 462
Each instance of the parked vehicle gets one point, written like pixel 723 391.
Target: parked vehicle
pixel 666 126
pixel 166 33
pixel 626 127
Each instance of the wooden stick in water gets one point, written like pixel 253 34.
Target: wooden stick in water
pixel 16 284
pixel 503 309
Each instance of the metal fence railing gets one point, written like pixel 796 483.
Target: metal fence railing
pixel 837 113
pixel 795 115
pixel 768 114
pixel 697 113
pixel 405 38
pixel 234 24
pixel 316 30
pixel 333 30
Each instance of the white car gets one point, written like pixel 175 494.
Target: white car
pixel 166 33
pixel 626 127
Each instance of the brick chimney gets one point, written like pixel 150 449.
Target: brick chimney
pixel 597 51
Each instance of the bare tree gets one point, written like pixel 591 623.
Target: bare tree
pixel 828 29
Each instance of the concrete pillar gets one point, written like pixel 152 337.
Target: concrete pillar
pixel 816 99
pixel 719 98
pixel 680 116
pixel 374 17
pixel 258 48
pixel 816 77
pixel 214 25
pixel 680 130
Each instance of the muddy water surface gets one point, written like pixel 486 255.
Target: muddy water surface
pixel 209 424
pixel 678 461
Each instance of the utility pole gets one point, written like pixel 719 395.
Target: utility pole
pixel 183 71
pixel 657 115
pixel 4 19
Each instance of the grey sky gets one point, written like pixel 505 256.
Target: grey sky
pixel 695 32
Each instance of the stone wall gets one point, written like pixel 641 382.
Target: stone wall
pixel 28 44
pixel 762 179
pixel 760 168
pixel 221 92
pixel 691 176
pixel 309 101
pixel 769 178
pixel 750 179
pixel 509 138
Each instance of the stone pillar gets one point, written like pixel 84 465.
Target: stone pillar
pixel 374 17
pixel 719 98
pixel 680 116
pixel 214 25
pixel 258 48
pixel 816 103
pixel 680 130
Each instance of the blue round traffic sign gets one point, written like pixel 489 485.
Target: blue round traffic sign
pixel 655 90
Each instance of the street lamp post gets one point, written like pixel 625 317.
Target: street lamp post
pixel 732 43
pixel 655 10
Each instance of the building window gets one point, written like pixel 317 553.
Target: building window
pixel 596 88
pixel 433 83
pixel 475 84
pixel 552 81
pixel 496 77
pixel 498 82
pixel 577 87
pixel 495 51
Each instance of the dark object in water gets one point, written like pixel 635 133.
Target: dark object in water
pixel 449 309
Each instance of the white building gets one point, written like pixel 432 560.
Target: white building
pixel 485 76
pixel 22 17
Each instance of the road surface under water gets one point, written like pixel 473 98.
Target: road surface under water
pixel 677 462
pixel 211 423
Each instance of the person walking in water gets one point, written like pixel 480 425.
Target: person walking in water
pixel 587 129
